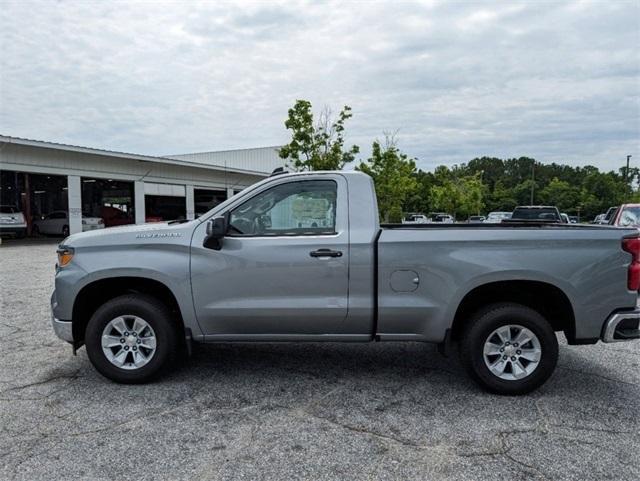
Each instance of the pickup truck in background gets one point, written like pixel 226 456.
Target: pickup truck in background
pixel 302 257
pixel 537 213
pixel 627 215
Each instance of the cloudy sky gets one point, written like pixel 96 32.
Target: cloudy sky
pixel 558 81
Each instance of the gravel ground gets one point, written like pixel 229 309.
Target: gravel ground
pixel 298 411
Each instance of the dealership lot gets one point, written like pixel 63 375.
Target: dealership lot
pixel 298 411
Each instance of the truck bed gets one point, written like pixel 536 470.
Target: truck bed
pixel 510 225
pixel 426 270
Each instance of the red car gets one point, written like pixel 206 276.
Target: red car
pixel 113 217
pixel 627 215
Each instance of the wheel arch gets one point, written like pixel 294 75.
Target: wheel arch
pixel 97 292
pixel 547 299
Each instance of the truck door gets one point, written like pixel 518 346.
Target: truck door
pixel 282 268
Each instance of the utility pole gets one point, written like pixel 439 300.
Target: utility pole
pixel 533 181
pixel 626 179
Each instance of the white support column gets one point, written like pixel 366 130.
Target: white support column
pixel 74 193
pixel 138 189
pixel 191 207
pixel 229 192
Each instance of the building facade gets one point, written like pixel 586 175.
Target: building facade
pixel 38 178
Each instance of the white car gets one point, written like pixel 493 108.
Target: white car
pixel 57 223
pixel 444 219
pixel 12 221
pixel 415 219
pixel 497 217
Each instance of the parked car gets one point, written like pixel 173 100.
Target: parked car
pixel 57 223
pixel 536 213
pixel 476 219
pixel 627 215
pixel 113 216
pixel 441 217
pixel 565 218
pixel 574 219
pixel 606 217
pixel 497 217
pixel 415 219
pixel 12 221
pixel 254 269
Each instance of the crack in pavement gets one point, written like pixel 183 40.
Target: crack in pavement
pixel 75 375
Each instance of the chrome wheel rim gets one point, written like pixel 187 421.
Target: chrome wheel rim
pixel 128 342
pixel 512 352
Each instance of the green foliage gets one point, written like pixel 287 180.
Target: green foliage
pixel 459 196
pixel 317 146
pixel 583 191
pixel 561 194
pixel 394 175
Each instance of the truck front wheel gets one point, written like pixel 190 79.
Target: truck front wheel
pixel 509 349
pixel 131 339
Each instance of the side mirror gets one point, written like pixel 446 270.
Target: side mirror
pixel 216 230
pixel 217 227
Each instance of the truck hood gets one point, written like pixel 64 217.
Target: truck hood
pixel 127 234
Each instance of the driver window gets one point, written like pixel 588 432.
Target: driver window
pixel 296 208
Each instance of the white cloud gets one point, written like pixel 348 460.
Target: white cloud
pixel 559 82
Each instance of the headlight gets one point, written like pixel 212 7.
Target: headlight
pixel 65 254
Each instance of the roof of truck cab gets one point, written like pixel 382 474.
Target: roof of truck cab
pixel 536 207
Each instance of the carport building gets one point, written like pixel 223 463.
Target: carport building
pixel 40 178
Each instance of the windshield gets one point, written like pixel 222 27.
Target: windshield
pixel 630 217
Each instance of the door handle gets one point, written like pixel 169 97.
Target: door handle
pixel 325 253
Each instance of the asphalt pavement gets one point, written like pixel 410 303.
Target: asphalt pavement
pixel 298 411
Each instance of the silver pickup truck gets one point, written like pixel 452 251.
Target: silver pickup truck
pixel 303 257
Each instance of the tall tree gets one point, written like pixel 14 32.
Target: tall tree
pixel 561 194
pixel 317 146
pixel 459 196
pixel 393 174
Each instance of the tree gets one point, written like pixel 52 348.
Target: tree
pixel 462 196
pixel 561 194
pixel 501 199
pixel 317 146
pixel 393 174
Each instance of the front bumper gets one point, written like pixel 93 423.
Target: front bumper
pixel 622 326
pixel 63 329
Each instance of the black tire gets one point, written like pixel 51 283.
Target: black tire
pixel 65 231
pixel 156 314
pixel 20 234
pixel 485 322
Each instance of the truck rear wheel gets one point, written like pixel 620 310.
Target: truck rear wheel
pixel 131 339
pixel 509 349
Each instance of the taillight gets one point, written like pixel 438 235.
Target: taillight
pixel 632 246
